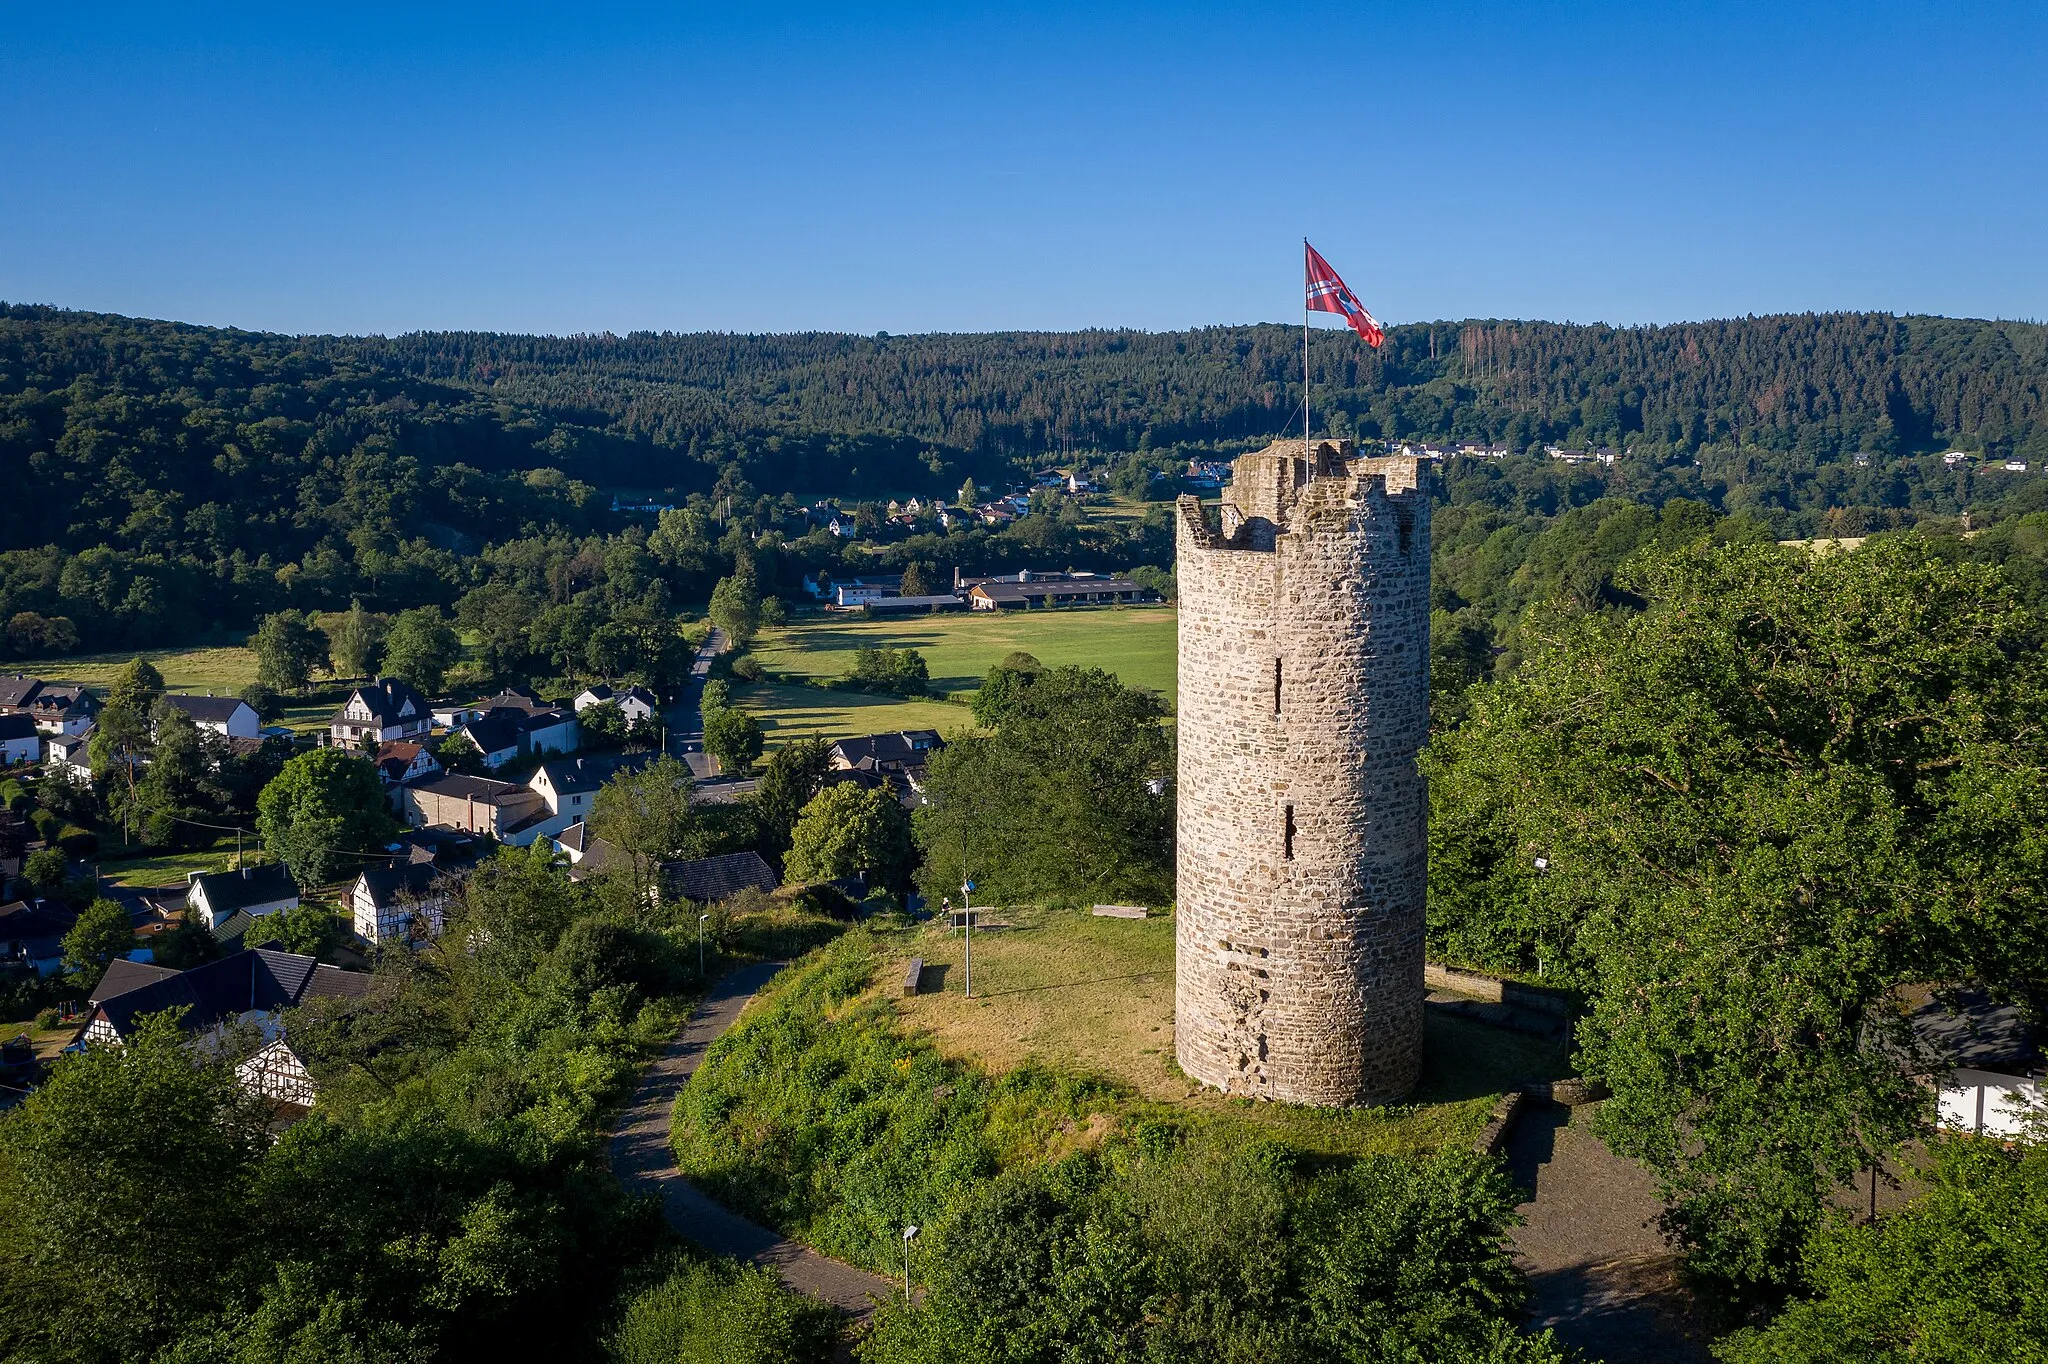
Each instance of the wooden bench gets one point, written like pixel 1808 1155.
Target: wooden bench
pixel 1119 911
pixel 913 974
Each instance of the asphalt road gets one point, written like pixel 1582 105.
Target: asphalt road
pixel 641 1157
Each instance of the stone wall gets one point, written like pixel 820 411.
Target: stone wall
pixel 1304 696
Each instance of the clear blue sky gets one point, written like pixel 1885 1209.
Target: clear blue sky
pixel 756 167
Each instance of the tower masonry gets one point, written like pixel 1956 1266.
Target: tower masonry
pixel 1304 698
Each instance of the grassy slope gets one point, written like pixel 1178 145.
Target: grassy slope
pixel 1073 992
pixel 222 669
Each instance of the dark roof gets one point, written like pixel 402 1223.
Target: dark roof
pixel 386 884
pixel 69 742
pixel 124 975
pixel 569 775
pixel 1038 590
pixel 229 891
pixel 59 700
pixel 262 978
pixel 462 786
pixel 208 709
pixel 573 838
pixel 716 878
pixel 945 602
pixel 39 926
pixel 905 747
pixel 386 697
pixel 395 757
pixel 1967 1029
pixel 496 730
pixel 513 698
pixel 17 726
pixel 16 690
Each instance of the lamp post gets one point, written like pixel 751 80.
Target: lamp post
pixel 908 1233
pixel 967 942
pixel 700 944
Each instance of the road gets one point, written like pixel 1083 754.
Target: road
pixel 684 717
pixel 641 1157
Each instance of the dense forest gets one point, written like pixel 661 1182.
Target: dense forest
pixel 173 481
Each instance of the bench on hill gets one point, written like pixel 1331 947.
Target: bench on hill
pixel 913 974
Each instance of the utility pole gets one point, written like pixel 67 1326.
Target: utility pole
pixel 967 949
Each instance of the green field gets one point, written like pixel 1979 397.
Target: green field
pixel 1135 643
pixel 223 669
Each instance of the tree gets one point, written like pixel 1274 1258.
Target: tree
pixel 736 609
pixel 46 868
pixel 1952 1278
pixel 848 830
pixel 732 736
pixel 916 580
pixel 265 701
pixel 646 815
pixel 136 687
pixel 970 495
pixel 602 725
pixel 773 612
pixel 324 811
pixel 143 1151
pixel 901 672
pixel 102 934
pixel 289 648
pixel 1000 689
pixel 358 642
pixel 1740 819
pixel 176 795
pixel 794 773
pixel 421 648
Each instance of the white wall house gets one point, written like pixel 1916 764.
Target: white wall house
pixel 1989 1103
pixel 398 904
pixel 228 716
pixel 635 703
pixel 386 709
pixel 20 742
pixel 216 897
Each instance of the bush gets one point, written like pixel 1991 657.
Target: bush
pixel 49 1020
pixel 747 668
pixel 898 672
pixel 595 955
pixel 46 824
pixel 14 795
pixel 77 842
pixel 46 868
pixel 721 1312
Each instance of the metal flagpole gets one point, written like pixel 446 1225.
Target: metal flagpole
pixel 1304 351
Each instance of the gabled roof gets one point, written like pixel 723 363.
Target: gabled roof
pixel 215 710
pixel 395 757
pixel 124 975
pixel 461 786
pixel 17 726
pixel 513 698
pixel 568 776
pixel 55 700
pixel 41 923
pixel 16 690
pixel 716 878
pixel 70 743
pixel 260 979
pixel 386 698
pixel 909 746
pixel 496 730
pixel 387 884
pixel 229 891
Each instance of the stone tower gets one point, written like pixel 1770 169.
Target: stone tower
pixel 1304 696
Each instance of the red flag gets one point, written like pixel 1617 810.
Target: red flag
pixel 1329 294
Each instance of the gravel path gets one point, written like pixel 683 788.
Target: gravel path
pixel 1600 1273
pixel 641 1157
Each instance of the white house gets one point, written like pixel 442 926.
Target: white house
pixel 66 753
pixel 636 703
pixel 570 785
pixel 277 1073
pixel 1955 457
pixel 2015 466
pixel 386 709
pixel 398 904
pixel 64 710
pixel 216 897
pixel 403 761
pixel 1987 1064
pixel 228 716
pixel 20 742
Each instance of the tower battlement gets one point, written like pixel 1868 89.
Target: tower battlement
pixel 1304 699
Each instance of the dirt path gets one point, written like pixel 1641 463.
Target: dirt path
pixel 641 1157
pixel 1600 1273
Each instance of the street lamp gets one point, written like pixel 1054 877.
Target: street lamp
pixel 908 1233
pixel 967 940
pixel 700 944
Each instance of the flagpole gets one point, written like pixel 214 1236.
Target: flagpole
pixel 1304 353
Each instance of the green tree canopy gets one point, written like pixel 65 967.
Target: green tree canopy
pixel 358 642
pixel 849 830
pixel 1741 818
pixel 421 648
pixel 289 649
pixel 101 934
pixel 733 736
pixel 137 686
pixel 322 814
pixel 647 816
pixel 736 609
pixel 793 775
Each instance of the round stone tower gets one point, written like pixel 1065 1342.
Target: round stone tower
pixel 1304 697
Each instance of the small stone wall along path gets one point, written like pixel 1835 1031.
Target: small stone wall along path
pixel 643 1161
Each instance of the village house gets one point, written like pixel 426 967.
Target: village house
pixel 385 710
pixel 707 880
pixel 228 716
pixel 398 904
pixel 64 710
pixel 570 785
pixel 32 934
pixel 637 704
pixel 503 810
pixel 67 754
pixel 862 590
pixel 1989 1066
pixel 20 741
pixel 404 760
pixel 1029 591
pixel 252 892
pixel 251 987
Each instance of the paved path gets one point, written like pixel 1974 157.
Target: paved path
pixel 1600 1273
pixel 641 1157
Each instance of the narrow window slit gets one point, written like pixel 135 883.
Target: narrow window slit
pixel 1276 686
pixel 1290 834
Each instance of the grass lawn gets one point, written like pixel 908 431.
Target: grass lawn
pixel 1136 643
pixel 1074 992
pixel 170 869
pixel 222 668
pixel 787 713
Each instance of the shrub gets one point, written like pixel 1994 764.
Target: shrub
pixel 14 795
pixel 722 1312
pixel 46 824
pixel 46 868
pixel 748 668
pixel 77 842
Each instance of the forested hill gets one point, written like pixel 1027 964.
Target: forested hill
pixel 1823 382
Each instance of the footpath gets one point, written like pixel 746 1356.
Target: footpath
pixel 642 1159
